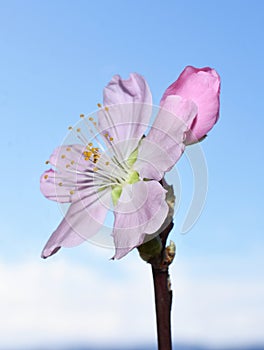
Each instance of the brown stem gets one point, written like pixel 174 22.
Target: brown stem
pixel 163 293
pixel 163 299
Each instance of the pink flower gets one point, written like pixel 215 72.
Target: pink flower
pixel 116 168
pixel 202 86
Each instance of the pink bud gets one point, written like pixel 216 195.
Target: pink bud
pixel 202 86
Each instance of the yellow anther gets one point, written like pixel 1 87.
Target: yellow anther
pixel 110 138
pixel 91 119
pixel 94 123
pixel 99 105
pixel 70 127
pixel 106 135
pixel 71 192
pixel 68 149
pixel 63 156
pixel 90 144
pixel 67 166
pixel 106 109
pixel 81 115
pixel 86 158
pixel 46 176
pixel 87 154
pixel 47 162
pixel 95 169
pixel 78 130
pixel 72 162
pixel 107 163
pixel 60 184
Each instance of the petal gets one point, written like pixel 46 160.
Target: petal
pixel 83 220
pixel 71 171
pixel 69 158
pixel 141 210
pixel 202 85
pixel 51 189
pixel 121 91
pixel 128 111
pixel 163 146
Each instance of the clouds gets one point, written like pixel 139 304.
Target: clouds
pixel 68 303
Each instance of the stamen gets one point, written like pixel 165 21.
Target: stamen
pixel 46 176
pixel 99 105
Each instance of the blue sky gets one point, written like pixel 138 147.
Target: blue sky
pixel 56 57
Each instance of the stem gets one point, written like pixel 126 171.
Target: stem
pixel 163 300
pixel 163 293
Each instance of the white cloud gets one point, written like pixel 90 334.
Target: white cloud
pixel 61 302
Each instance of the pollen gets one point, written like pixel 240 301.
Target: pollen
pixel 107 163
pixel 60 183
pixel 68 149
pixel 95 169
pixel 70 128
pixel 67 166
pixel 63 156
pixel 111 138
pixel 106 135
pixel 47 162
pixel 106 109
pixel 72 162
pixel 81 115
pixel 71 192
pixel 78 130
pixel 46 176
pixel 99 105
pixel 91 119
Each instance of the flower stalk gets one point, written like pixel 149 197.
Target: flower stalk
pixel 162 290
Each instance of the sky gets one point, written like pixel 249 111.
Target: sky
pixel 56 57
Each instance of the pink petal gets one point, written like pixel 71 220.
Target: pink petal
pixel 49 186
pixel 70 171
pixel 129 108
pixel 163 146
pixel 72 155
pixel 141 210
pixel 202 85
pixel 121 91
pixel 83 220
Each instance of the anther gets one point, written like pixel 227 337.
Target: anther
pixel 78 130
pixel 47 162
pixel 81 115
pixel 95 169
pixel 71 192
pixel 91 119
pixel 60 183
pixel 46 176
pixel 68 149
pixel 99 105
pixel 106 109
pixel 70 128
pixel 63 156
